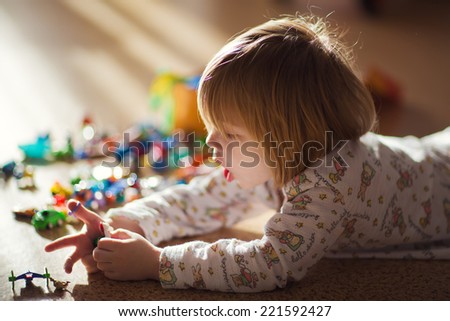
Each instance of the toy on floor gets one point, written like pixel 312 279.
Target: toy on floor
pixel 47 219
pixel 59 285
pixel 90 146
pixel 67 153
pixel 28 277
pixel 106 230
pixel 384 89
pixel 24 175
pixel 175 97
pixel 92 143
pixel 7 170
pixel 38 150
pixel 24 212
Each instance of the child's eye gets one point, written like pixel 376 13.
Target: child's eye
pixel 230 136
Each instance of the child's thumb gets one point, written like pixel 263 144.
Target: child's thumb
pixel 121 234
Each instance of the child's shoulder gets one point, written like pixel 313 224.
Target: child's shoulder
pixel 370 153
pixel 408 147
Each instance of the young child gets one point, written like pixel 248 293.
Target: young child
pixel 290 123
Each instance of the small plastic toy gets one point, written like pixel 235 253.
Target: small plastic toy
pixel 47 219
pixel 60 194
pixel 175 98
pixel 66 153
pixel 28 277
pixel 106 230
pixel 25 177
pixel 7 170
pixel 39 150
pixel 58 189
pixel 137 141
pixel 59 285
pixel 384 89
pixel 92 142
pixel 98 194
pixel 25 212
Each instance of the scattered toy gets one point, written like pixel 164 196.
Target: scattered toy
pixel 7 170
pixel 67 153
pixel 60 285
pixel 39 150
pixel 384 89
pixel 47 219
pixel 28 277
pixel 25 212
pixel 106 230
pixel 25 177
pixel 177 156
pixel 175 98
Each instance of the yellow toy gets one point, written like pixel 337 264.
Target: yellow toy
pixel 174 98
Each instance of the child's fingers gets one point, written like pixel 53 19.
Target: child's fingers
pixel 105 267
pixel 72 259
pixel 89 263
pixel 82 213
pixel 121 234
pixel 69 240
pixel 117 237
pixel 102 255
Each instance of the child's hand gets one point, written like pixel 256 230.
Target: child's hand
pixel 127 256
pixel 83 241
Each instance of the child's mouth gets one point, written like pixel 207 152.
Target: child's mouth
pixel 227 174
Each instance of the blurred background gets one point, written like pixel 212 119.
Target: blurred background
pixel 62 60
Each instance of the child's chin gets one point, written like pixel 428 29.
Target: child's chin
pixel 246 184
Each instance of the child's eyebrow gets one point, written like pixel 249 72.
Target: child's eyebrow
pixel 234 129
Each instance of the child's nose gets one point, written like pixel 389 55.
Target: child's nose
pixel 214 145
pixel 211 140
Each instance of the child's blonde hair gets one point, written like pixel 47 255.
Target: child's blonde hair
pixel 290 77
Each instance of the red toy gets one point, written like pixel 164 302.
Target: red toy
pixel 384 89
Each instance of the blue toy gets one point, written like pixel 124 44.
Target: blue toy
pixel 39 150
pixel 28 277
pixel 7 170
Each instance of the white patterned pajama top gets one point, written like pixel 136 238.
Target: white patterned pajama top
pixel 380 196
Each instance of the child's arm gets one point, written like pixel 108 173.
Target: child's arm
pixel 206 204
pixel 177 211
pixel 293 241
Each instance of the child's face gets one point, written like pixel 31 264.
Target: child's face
pixel 241 156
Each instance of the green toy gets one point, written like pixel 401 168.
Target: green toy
pixel 47 219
